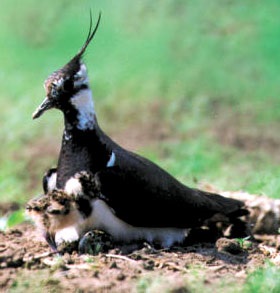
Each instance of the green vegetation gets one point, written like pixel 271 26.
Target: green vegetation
pixel 41 281
pixel 16 218
pixel 207 71
pixel 245 242
pixel 264 279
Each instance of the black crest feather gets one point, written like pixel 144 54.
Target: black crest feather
pixel 90 36
pixel 73 65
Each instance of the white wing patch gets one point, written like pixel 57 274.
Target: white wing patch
pixel 73 187
pixel 112 160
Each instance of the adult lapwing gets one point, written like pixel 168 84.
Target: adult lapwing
pixel 139 192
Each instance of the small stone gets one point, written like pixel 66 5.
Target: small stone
pixel 149 265
pixel 229 246
pixel 121 277
pixel 114 265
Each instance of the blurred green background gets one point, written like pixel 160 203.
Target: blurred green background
pixel 192 85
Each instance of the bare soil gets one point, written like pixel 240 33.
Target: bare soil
pixel 27 264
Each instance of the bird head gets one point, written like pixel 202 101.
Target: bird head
pixel 64 84
pixel 54 213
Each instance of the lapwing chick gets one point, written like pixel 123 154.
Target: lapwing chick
pixel 133 191
pixel 57 217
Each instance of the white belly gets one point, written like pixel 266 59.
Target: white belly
pixel 103 218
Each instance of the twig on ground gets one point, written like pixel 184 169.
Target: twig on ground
pixel 121 257
pixel 39 256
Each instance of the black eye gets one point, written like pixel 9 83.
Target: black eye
pixel 68 85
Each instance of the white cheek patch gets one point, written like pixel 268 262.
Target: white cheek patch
pixel 73 187
pixel 83 103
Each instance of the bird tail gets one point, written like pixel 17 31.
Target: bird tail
pixel 230 212
pixel 232 208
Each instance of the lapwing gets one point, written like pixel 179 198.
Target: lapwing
pixel 133 189
pixel 56 216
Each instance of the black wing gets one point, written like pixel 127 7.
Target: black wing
pixel 142 194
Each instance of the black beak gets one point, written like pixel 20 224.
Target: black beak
pixel 46 105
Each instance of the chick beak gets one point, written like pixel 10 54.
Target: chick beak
pixel 50 240
pixel 46 105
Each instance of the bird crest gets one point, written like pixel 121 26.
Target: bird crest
pixel 70 78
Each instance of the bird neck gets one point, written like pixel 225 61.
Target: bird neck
pixel 81 114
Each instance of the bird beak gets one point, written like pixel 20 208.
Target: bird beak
pixel 46 105
pixel 50 240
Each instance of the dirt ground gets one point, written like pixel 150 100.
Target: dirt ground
pixel 27 264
